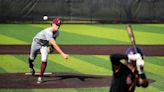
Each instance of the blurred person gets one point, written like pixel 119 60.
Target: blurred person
pixel 128 71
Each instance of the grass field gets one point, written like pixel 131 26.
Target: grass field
pixel 85 64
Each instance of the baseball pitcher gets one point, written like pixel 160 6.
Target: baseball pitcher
pixel 41 42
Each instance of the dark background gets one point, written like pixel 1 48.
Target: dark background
pixel 91 11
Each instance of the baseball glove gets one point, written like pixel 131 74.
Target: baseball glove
pixel 50 49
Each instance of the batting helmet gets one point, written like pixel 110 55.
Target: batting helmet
pixel 131 50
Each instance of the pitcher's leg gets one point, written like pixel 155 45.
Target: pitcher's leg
pixel 33 53
pixel 44 55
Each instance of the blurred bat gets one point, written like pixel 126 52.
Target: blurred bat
pixel 131 36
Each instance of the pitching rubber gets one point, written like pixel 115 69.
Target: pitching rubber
pixel 39 73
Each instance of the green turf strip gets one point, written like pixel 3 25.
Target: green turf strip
pixel 74 38
pixel 153 68
pixel 81 66
pixel 18 63
pixel 93 64
pixel 155 60
pixel 10 40
pixel 100 89
pixel 85 34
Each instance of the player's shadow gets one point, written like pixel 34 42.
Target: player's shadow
pixel 80 77
pixel 65 77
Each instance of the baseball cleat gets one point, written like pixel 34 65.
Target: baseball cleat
pixel 32 71
pixel 39 80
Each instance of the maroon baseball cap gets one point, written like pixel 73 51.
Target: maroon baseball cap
pixel 56 21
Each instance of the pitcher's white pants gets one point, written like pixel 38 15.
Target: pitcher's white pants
pixel 44 50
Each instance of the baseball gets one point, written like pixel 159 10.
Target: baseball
pixel 45 17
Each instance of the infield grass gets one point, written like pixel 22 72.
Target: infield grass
pixel 85 64
pixel 84 34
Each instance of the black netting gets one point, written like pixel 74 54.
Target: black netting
pixel 87 10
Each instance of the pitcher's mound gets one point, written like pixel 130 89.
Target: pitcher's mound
pixel 55 80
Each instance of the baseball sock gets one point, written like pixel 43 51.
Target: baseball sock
pixel 30 63
pixel 43 67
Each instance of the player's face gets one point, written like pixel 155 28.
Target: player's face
pixel 55 27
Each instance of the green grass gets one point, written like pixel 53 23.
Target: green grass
pixel 77 63
pixel 101 89
pixel 84 34
pixel 85 64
